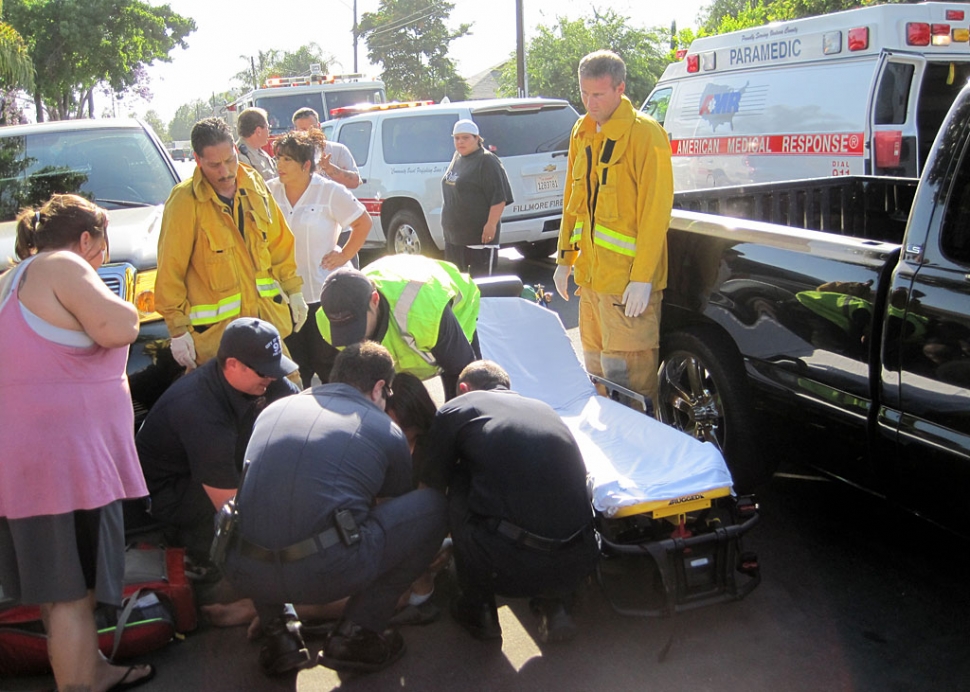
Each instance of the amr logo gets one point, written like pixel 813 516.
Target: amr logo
pixel 719 104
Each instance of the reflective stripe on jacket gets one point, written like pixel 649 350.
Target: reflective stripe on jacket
pixel 209 272
pixel 418 290
pixel 617 202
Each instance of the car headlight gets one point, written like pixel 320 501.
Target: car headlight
pixel 144 299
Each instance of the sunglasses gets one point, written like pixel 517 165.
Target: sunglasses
pixel 258 373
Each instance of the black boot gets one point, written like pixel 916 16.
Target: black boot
pixel 283 649
pixel 478 616
pixel 555 623
pixel 353 648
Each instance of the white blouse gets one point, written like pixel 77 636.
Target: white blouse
pixel 324 209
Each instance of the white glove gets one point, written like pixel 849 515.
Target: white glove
pixel 299 309
pixel 561 279
pixel 183 350
pixel 635 298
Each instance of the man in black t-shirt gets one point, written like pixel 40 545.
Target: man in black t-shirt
pixel 520 517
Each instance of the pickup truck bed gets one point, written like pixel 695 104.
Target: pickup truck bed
pixel 840 305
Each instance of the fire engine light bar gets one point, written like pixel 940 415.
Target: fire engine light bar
pixel 831 42
pixel 917 34
pixel 709 61
pixel 955 15
pixel 941 34
pixel 693 63
pixel 859 38
pixel 961 35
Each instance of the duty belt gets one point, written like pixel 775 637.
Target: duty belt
pixel 290 553
pixel 531 540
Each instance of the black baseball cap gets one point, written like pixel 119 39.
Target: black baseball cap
pixel 256 343
pixel 345 300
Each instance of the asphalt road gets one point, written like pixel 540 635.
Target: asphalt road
pixel 854 596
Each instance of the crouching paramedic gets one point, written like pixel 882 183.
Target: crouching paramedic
pixel 520 517
pixel 424 311
pixel 309 530
pixel 224 251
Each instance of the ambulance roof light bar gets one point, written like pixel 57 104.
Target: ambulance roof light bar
pixel 372 107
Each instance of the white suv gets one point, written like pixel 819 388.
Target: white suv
pixel 402 152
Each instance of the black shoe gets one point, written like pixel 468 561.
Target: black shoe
pixel 480 618
pixel 353 648
pixel 283 649
pixel 555 623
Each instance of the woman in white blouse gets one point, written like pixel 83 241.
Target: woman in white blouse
pixel 316 209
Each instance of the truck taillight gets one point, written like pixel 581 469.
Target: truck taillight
pixel 681 53
pixel 693 63
pixel 709 61
pixel 961 35
pixel 917 34
pixel 859 38
pixel 955 15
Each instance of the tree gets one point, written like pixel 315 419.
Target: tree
pixel 153 120
pixel 409 38
pixel 273 63
pixel 188 114
pixel 16 69
pixel 554 53
pixel 723 16
pixel 76 45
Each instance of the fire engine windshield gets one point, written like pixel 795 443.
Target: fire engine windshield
pixel 282 107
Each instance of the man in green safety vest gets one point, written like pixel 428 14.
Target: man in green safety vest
pixel 423 311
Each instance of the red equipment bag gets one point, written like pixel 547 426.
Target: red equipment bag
pixel 158 604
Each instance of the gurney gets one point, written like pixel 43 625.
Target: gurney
pixel 655 491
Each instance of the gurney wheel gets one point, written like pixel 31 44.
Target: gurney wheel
pixel 703 391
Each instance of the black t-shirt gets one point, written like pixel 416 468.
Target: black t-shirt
pixel 198 430
pixel 514 457
pixel 470 187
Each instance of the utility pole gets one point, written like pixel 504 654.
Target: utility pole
pixel 355 36
pixel 521 79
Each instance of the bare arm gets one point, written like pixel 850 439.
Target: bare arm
pixel 106 318
pixel 359 228
pixel 494 215
pixel 349 179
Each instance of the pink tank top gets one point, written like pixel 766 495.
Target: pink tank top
pixel 66 423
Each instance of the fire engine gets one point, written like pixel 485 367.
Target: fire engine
pixel 281 97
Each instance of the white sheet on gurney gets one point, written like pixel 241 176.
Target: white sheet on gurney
pixel 631 458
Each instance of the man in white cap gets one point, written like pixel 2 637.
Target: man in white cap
pixel 192 443
pixel 475 190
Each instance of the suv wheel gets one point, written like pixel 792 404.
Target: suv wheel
pixel 408 235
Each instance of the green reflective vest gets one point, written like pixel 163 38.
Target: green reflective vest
pixel 418 290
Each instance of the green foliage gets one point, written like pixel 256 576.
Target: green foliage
pixel 553 55
pixel 75 45
pixel 154 121
pixel 274 63
pixel 733 15
pixel 409 39
pixel 188 114
pixel 16 69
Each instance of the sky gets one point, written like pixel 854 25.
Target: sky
pixel 227 31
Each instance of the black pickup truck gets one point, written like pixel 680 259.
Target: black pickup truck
pixel 842 304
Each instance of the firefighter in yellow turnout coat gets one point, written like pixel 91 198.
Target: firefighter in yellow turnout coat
pixel 616 209
pixel 224 252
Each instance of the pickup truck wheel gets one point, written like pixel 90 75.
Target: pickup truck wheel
pixel 408 235
pixel 703 391
pixel 539 250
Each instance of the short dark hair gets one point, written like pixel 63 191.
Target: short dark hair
pixel 301 146
pixel 362 364
pixel 602 63
pixel 209 132
pixel 411 403
pixel 58 224
pixel 306 112
pixel 484 374
pixel 249 120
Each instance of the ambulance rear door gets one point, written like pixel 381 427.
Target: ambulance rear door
pixel 892 135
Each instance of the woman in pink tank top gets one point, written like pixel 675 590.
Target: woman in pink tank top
pixel 68 438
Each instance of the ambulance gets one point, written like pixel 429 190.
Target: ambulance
pixel 281 97
pixel 857 92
